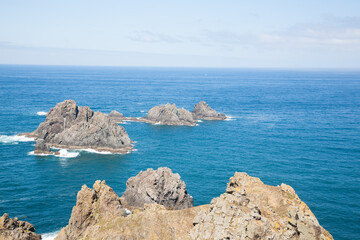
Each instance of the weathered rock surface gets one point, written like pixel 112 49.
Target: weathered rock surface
pixel 159 186
pixel 250 209
pixel 13 229
pixel 204 111
pixel 170 115
pixel 116 116
pixel 93 206
pixel 70 126
pixel 42 148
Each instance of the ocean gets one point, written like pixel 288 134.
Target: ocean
pixel 299 127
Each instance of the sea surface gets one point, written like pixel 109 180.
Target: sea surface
pixel 299 127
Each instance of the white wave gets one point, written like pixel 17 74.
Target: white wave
pixel 230 118
pixel 95 151
pixel 157 123
pixel 199 120
pixel 15 139
pixel 49 236
pixel 142 110
pixel 124 122
pixel 41 113
pixel 63 153
pixel 38 154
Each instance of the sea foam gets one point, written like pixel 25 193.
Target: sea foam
pixel 63 153
pixel 41 113
pixel 38 154
pixel 49 236
pixel 15 139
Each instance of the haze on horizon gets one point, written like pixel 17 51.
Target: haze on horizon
pixel 260 34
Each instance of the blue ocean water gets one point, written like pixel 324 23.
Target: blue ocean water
pixel 297 127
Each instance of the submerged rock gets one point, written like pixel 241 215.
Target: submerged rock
pixel 70 126
pixel 116 116
pixel 13 229
pixel 249 209
pixel 204 111
pixel 170 115
pixel 159 186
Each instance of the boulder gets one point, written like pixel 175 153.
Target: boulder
pixel 116 116
pixel 159 186
pixel 169 114
pixel 13 229
pixel 41 147
pixel 204 111
pixel 70 126
pixel 249 209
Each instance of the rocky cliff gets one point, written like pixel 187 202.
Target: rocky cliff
pixel 69 126
pixel 248 209
pixel 160 186
pixel 204 111
pixel 13 229
pixel 170 115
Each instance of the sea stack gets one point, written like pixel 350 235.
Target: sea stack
pixel 160 186
pixel 170 115
pixel 205 112
pixel 69 126
pixel 13 229
pixel 116 116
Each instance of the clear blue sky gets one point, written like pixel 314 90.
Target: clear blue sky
pixel 276 33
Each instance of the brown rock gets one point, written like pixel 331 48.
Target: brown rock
pixel 13 229
pixel 204 111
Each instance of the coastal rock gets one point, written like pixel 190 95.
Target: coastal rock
pixel 159 186
pixel 70 126
pixel 204 111
pixel 249 209
pixel 42 148
pixel 13 229
pixel 170 115
pixel 92 206
pixel 116 116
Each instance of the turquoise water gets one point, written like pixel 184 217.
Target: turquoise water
pixel 297 127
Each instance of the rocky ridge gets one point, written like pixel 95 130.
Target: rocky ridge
pixel 248 209
pixel 159 186
pixel 69 126
pixel 13 229
pixel 203 111
pixel 169 114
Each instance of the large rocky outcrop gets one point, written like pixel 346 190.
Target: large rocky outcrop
pixel 250 209
pixel 160 186
pixel 70 126
pixel 204 111
pixel 170 115
pixel 13 229
pixel 92 207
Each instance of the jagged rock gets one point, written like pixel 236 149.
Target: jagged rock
pixel 70 126
pixel 161 186
pixel 13 229
pixel 116 116
pixel 250 209
pixel 204 111
pixel 41 147
pixel 170 115
pixel 92 206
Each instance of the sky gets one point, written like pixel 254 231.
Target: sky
pixel 202 33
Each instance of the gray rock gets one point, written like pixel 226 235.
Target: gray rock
pixel 70 126
pixel 204 111
pixel 41 147
pixel 249 209
pixel 116 116
pixel 13 229
pixel 171 115
pixel 161 186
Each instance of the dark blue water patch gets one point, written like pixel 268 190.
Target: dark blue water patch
pixel 301 128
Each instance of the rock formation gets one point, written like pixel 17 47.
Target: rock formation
pixel 42 148
pixel 70 126
pixel 161 186
pixel 116 116
pixel 13 229
pixel 204 111
pixel 249 209
pixel 170 115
